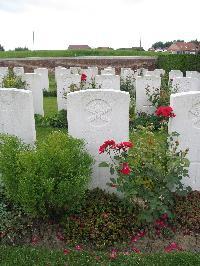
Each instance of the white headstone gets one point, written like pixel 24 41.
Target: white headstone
pixel 94 70
pixel 61 71
pixel 96 116
pixel 45 77
pixel 18 71
pixel 159 72
pixel 175 74
pixel 192 74
pixel 108 82
pixel 75 70
pixel 63 88
pixel 108 70
pixel 152 83
pixel 34 83
pixel 3 71
pixel 185 84
pixel 186 107
pixel 17 115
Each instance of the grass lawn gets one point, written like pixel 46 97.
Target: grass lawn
pixel 50 106
pixel 28 256
pixel 73 53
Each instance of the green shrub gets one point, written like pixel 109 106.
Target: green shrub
pixel 59 120
pixel 102 220
pixel 187 211
pixel 47 180
pixel 13 81
pixel 181 62
pixel 145 120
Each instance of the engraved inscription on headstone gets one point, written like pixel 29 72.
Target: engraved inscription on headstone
pixel 99 112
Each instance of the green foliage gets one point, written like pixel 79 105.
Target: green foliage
pixel 128 86
pixel 58 120
pixel 102 220
pixel 161 97
pixel 46 180
pixel 181 62
pixel 145 120
pixel 52 93
pixel 21 48
pixel 187 211
pixel 13 81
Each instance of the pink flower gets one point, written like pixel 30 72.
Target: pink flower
pixel 78 248
pixel 66 251
pixel 35 240
pixel 135 239
pixel 160 224
pixel 173 246
pixel 126 170
pixel 141 233
pixel 60 236
pixel 136 250
pixel 113 254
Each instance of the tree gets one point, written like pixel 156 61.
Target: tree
pixel 158 45
pixel 1 48
pixel 21 49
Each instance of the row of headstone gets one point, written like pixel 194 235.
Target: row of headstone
pixel 152 83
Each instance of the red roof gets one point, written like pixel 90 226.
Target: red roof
pixel 183 46
pixel 78 47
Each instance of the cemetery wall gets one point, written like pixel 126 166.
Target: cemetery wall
pixel 30 64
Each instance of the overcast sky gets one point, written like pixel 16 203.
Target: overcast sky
pixel 114 23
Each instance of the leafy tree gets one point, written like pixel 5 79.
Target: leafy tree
pixel 21 49
pixel 1 48
pixel 158 45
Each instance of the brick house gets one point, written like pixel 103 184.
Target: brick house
pixel 184 48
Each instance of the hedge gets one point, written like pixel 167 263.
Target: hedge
pixel 181 62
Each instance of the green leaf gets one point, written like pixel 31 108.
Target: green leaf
pixel 112 170
pixel 103 164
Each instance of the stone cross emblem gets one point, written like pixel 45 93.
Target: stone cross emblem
pixel 99 112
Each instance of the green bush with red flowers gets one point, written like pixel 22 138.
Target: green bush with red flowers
pixel 147 174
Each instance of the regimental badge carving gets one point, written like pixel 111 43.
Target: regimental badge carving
pixel 99 112
pixel 195 115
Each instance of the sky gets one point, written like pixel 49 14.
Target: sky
pixel 113 23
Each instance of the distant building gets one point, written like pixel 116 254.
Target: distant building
pixel 79 47
pixel 105 48
pixel 184 48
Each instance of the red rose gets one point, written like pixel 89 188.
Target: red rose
pixel 126 170
pixel 171 247
pixel 165 111
pixel 108 143
pixel 83 77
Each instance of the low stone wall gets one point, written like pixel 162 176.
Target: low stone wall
pixel 101 62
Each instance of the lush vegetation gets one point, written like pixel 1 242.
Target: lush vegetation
pixel 69 53
pixel 181 62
